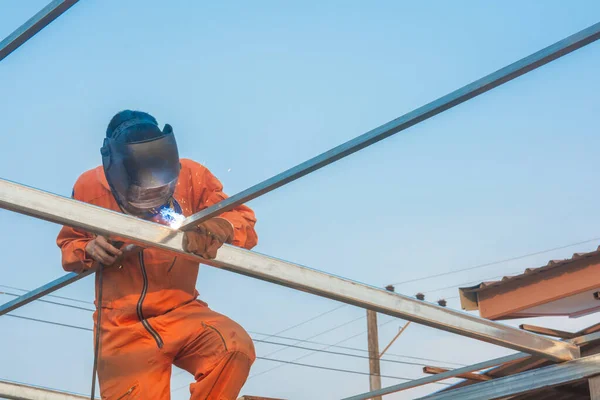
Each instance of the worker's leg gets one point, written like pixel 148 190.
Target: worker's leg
pixel 131 366
pixel 215 349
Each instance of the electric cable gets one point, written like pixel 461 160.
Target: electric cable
pixel 357 349
pixel 307 321
pixel 309 354
pixel 339 353
pixel 262 341
pixel 260 358
pixel 321 333
pixel 52 302
pixel 99 274
pixel 497 262
pixel 283 362
pixel 50 295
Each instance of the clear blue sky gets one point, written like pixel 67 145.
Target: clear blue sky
pixel 254 88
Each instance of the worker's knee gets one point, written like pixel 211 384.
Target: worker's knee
pixel 242 342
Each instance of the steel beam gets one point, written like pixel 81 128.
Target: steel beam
pixel 20 391
pixel 548 331
pixel 42 291
pixel 525 382
pixel 467 375
pixel 579 341
pixel 33 25
pixel 439 377
pixel 66 211
pixel 427 111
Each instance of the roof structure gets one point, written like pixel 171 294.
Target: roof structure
pixel 578 390
pixel 569 287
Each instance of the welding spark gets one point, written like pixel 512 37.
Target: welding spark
pixel 172 218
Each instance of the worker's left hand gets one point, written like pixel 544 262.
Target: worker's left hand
pixel 208 237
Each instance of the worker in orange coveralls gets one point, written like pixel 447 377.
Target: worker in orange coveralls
pixel 151 317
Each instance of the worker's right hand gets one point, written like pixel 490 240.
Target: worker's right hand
pixel 102 251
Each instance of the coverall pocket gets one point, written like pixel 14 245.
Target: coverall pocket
pixel 131 393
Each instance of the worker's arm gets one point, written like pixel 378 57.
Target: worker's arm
pixel 208 190
pixel 72 242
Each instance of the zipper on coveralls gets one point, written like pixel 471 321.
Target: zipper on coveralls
pixel 205 325
pixel 140 314
pixel 127 393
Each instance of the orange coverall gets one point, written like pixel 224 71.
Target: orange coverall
pixel 151 317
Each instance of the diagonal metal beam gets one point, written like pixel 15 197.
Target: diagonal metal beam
pixel 427 111
pixel 43 291
pixel 579 341
pixel 438 377
pixel 66 211
pixel 33 25
pixel 525 382
pixel 466 375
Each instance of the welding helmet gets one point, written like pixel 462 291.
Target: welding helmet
pixel 141 162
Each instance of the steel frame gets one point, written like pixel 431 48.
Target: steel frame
pixel 66 211
pixel 20 391
pixel 33 25
pixel 525 382
pixel 69 212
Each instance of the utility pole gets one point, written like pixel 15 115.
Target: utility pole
pixel 373 338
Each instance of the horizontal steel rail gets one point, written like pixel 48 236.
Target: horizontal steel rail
pixel 525 382
pixel 20 391
pixel 66 211
pixel 33 25
pixel 423 113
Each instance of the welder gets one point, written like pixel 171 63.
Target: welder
pixel 151 314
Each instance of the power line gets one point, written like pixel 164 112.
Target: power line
pixel 49 322
pixel 257 340
pixel 357 349
pixel 307 321
pixel 265 341
pixel 498 262
pixel 49 295
pixel 321 333
pixel 52 302
pixel 470 282
pixel 283 362
pixel 339 353
pixel 309 354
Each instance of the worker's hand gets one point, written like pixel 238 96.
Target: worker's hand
pixel 102 251
pixel 208 237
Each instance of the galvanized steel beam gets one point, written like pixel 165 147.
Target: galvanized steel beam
pixel 33 25
pixel 66 211
pixel 427 111
pixel 43 291
pixel 20 391
pixel 579 341
pixel 438 377
pixel 525 382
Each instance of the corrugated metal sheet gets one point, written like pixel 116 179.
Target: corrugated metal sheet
pixel 532 271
